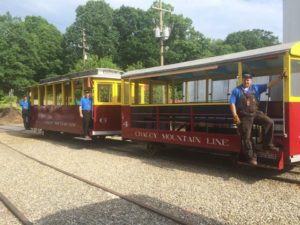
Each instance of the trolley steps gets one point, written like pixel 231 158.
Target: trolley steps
pixel 266 159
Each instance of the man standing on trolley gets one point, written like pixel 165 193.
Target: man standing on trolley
pixel 25 105
pixel 85 112
pixel 244 102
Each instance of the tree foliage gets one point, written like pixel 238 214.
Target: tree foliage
pixel 95 20
pixel 136 39
pixel 32 49
pixel 250 39
pixel 93 62
pixel 29 51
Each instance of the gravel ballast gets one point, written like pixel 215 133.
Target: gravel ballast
pixel 202 191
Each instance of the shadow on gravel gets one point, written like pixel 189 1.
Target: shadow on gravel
pixel 171 157
pixel 119 211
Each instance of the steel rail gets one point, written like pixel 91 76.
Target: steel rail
pixel 129 199
pixel 14 210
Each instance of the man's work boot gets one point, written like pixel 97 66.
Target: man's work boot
pixel 271 148
pixel 252 161
pixel 251 158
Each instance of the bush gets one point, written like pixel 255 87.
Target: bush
pixel 8 101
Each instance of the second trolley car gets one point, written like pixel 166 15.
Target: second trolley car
pixel 188 103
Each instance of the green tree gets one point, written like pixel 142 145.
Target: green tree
pixel 136 38
pixel 185 43
pixel 135 66
pixel 218 47
pixel 96 18
pixel 29 51
pixel 16 52
pixel 250 39
pixel 46 40
pixel 93 62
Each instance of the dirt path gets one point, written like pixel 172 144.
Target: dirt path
pixel 10 116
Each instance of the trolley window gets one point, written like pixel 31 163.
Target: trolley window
pixel 105 93
pixel 49 95
pixel 197 91
pixel 295 78
pixel 159 93
pixel 58 94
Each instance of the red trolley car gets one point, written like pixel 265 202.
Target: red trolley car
pixel 54 102
pixel 188 103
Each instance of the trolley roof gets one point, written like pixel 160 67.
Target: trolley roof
pixel 213 62
pixel 103 73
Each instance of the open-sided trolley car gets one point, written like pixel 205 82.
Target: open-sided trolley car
pixel 188 103
pixel 54 102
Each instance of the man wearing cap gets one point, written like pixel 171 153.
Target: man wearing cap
pixel 25 105
pixel 244 102
pixel 85 112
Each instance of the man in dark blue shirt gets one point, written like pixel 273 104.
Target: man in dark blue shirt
pixel 25 105
pixel 244 102
pixel 85 112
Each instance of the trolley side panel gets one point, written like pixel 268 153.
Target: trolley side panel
pixel 293 124
pixel 56 118
pixel 107 118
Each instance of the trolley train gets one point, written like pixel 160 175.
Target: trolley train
pixel 185 104
pixel 55 102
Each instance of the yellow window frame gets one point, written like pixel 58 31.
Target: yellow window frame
pixel 287 80
pixel 115 93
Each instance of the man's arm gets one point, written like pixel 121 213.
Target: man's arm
pixel 80 111
pixel 236 118
pixel 276 81
pixel 233 109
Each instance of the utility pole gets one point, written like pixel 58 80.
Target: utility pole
pixel 161 32
pixel 84 46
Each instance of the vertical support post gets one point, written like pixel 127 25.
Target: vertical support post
pixel 72 93
pixel 240 72
pixel 53 94
pixel 46 95
pixel 161 26
pixel 39 95
pixel 63 97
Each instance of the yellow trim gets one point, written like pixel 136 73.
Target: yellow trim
pixel 295 50
pixel 167 92
pixel 63 93
pixel 53 94
pixel 39 95
pixel 45 95
pixel 240 72
pixel 72 93
pixel 122 92
pixel 186 91
pixel 115 93
pixel 288 81
pixel 95 96
pixel 142 88
pixel 286 67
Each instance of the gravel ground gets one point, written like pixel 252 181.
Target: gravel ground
pixel 45 196
pixel 199 188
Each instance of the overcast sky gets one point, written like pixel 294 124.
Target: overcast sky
pixel 213 18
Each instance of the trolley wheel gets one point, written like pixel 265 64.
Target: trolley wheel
pixel 153 148
pixel 99 138
pixel 235 158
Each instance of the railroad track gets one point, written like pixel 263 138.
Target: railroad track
pixel 14 210
pixel 141 204
pixel 285 179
